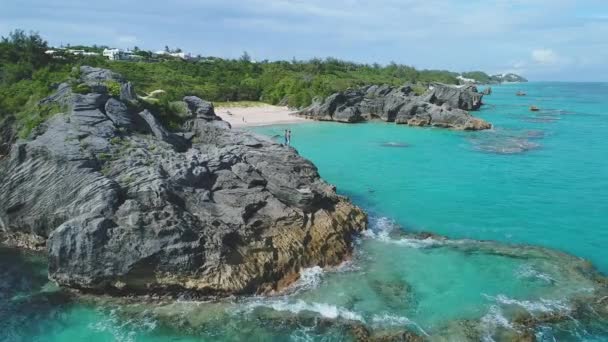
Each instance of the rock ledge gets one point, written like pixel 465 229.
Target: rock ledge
pixel 441 106
pixel 128 207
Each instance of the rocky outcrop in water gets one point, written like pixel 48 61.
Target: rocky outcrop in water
pixel 569 296
pixel 441 106
pixel 127 206
pixel 465 97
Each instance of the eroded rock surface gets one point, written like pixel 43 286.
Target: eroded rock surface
pixel 442 106
pixel 465 97
pixel 127 206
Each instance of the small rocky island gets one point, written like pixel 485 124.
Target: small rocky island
pixel 441 106
pixel 122 205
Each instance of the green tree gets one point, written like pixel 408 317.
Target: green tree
pixel 245 57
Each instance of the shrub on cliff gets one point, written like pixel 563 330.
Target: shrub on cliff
pixel 113 88
pixel 81 88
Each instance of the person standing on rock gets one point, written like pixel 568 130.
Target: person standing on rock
pixel 285 137
pixel 289 137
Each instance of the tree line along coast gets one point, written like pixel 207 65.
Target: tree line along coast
pixel 28 73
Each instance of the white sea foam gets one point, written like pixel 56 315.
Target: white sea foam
pixel 542 305
pixel 381 227
pixel 323 309
pixel 491 321
pixel 392 320
pixel 527 272
pixel 310 278
pixel 123 331
pixel 302 334
pixel 495 318
pixel 418 243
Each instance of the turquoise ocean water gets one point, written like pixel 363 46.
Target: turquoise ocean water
pixel 537 180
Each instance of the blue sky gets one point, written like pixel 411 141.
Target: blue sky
pixel 541 39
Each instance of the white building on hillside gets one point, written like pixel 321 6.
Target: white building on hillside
pixel 82 52
pixel 182 55
pixel 120 55
pixel 112 54
pixel 465 80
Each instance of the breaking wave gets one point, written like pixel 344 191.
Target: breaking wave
pixel 296 307
pixel 310 278
pixel 491 321
pixel 540 306
pixel 381 229
pixel 121 330
pixel 528 272
pixel 393 320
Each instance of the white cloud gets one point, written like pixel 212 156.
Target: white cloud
pixel 451 34
pixel 545 56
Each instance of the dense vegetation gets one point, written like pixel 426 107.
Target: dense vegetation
pixel 27 75
pixel 478 76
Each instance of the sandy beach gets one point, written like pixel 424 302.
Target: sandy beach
pixel 257 115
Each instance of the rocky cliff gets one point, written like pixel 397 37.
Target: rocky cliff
pixel 7 135
pixel 441 106
pixel 128 207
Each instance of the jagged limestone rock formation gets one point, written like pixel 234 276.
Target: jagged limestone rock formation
pixel 127 206
pixel 441 106
pixel 465 97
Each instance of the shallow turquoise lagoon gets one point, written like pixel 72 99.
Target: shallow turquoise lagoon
pixel 536 180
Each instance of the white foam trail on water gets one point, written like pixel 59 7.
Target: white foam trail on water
pixel 527 271
pixel 302 335
pixel 495 318
pixel 310 278
pixel 542 305
pixel 380 229
pixel 123 331
pixel 323 309
pixel 392 320
pixel 492 320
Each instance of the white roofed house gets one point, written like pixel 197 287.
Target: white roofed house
pixel 465 79
pixel 129 55
pixel 112 54
pixel 182 55
pixel 120 55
